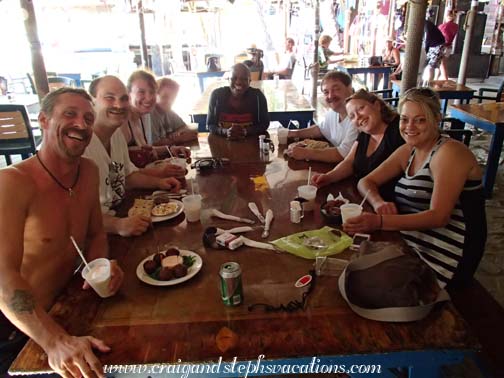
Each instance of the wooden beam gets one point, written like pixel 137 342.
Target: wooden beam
pixel 38 65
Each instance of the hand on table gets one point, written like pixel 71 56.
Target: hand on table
pixel 321 179
pixel 386 208
pixel 236 132
pixel 169 183
pixel 364 223
pixel 172 170
pixel 298 151
pixel 72 356
pixel 180 151
pixel 133 226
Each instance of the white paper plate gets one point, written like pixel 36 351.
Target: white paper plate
pixel 191 272
pixel 180 208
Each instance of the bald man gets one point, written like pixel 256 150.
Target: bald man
pixel 238 110
pixel 109 151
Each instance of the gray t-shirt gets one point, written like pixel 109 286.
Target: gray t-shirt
pixel 164 123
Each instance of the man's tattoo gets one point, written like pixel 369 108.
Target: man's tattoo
pixel 22 301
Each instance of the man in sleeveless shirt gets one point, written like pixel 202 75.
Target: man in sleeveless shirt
pixel 43 201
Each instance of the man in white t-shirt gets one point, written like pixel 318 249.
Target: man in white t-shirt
pixel 109 151
pixel 336 127
pixel 286 64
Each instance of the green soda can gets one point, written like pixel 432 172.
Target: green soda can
pixel 231 284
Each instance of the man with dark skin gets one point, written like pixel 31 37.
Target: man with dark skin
pixel 238 110
pixel 45 200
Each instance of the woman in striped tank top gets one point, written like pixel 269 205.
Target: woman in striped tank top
pixel 439 206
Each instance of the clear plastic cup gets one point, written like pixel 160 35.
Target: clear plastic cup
pixel 308 192
pixel 350 210
pixel 192 207
pixel 181 162
pixel 97 274
pixel 282 135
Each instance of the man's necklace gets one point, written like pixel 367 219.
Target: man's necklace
pixel 68 189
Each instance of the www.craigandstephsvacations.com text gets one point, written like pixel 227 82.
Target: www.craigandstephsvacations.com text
pixel 242 368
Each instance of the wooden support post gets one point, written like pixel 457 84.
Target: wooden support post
pixel 469 27
pixel 38 65
pixel 416 19
pixel 315 70
pixel 143 42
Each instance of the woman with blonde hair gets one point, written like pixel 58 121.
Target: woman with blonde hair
pixel 439 205
pixel 379 137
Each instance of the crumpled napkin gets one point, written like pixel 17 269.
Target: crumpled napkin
pixel 340 197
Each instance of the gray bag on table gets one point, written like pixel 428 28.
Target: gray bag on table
pixel 390 285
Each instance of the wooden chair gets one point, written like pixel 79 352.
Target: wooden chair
pixel 499 94
pixel 16 136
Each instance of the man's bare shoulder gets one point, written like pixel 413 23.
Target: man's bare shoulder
pixel 18 180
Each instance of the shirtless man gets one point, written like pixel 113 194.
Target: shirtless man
pixel 43 201
pixel 109 150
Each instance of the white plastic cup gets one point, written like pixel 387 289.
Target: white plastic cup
pixel 181 162
pixel 97 274
pixel 192 207
pixel 308 192
pixel 282 134
pixel 276 78
pixel 350 210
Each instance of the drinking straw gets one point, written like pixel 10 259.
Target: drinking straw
pixel 309 175
pixel 364 199
pixel 192 187
pixel 169 152
pixel 78 250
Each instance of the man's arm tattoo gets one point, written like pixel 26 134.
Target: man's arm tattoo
pixel 22 301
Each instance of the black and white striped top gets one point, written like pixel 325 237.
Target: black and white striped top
pixel 453 251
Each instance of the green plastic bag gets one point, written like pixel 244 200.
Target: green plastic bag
pixel 310 244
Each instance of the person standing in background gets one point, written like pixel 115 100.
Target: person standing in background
pixel 449 29
pixel 434 46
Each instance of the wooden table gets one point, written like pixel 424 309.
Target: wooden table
pixel 446 89
pixel 489 117
pixel 147 325
pixel 356 68
pixel 285 103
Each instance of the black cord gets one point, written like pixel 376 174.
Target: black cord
pixel 68 189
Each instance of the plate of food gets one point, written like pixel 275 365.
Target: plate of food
pixel 166 210
pixel 169 267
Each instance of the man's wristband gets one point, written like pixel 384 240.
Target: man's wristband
pixel 381 221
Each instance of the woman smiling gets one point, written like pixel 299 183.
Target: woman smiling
pixel 439 206
pixel 379 137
